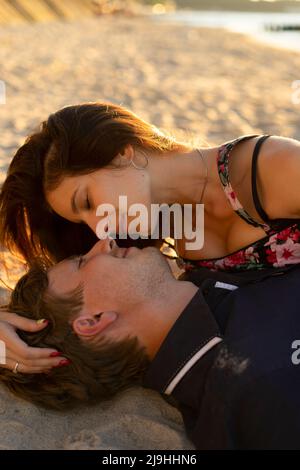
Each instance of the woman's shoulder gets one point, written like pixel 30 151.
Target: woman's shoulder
pixel 278 147
pixel 240 138
pixel 279 174
pixel 226 148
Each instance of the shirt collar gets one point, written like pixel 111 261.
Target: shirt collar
pixel 191 334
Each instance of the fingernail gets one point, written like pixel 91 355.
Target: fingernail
pixel 55 354
pixel 64 362
pixel 42 320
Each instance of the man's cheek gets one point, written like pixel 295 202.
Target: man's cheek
pixel 103 279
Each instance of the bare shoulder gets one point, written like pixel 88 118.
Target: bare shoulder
pixel 279 176
pixel 281 149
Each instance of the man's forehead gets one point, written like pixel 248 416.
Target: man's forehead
pixel 56 267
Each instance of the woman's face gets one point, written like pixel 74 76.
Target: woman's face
pixel 78 197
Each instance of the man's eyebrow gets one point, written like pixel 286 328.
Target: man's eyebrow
pixel 73 203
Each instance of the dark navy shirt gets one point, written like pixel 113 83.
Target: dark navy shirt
pixel 228 363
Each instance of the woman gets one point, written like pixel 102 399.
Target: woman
pixel 90 154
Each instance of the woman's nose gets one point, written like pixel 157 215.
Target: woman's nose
pixel 92 221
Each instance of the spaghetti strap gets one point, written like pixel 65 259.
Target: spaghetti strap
pixel 280 248
pixel 222 162
pixel 256 200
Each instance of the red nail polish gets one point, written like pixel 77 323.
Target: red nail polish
pixel 55 354
pixel 64 362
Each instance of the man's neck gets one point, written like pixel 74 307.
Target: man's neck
pixel 168 309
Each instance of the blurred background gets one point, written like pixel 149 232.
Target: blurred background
pixel 205 70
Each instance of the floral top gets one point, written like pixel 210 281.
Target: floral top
pixel 281 245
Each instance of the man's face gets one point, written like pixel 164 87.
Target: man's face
pixel 117 282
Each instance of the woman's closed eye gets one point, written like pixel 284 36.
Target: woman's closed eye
pixel 87 204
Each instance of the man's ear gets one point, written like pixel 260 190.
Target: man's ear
pixel 92 325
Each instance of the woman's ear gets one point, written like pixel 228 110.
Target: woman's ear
pixel 92 325
pixel 127 153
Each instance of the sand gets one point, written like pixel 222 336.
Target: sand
pixel 135 419
pixel 204 84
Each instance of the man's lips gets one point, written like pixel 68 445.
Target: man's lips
pixel 123 252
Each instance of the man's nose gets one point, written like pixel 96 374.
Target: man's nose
pixel 107 245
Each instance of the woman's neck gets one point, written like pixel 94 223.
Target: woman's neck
pixel 179 177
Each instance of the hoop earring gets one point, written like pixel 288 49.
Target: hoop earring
pixel 139 167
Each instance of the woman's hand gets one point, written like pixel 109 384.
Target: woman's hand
pixel 29 360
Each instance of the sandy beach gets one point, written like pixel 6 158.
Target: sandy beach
pixel 204 84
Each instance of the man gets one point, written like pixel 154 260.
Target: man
pixel 121 317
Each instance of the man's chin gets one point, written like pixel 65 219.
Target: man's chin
pixel 152 252
pixel 133 251
pixel 151 249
